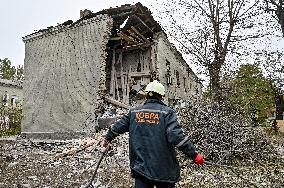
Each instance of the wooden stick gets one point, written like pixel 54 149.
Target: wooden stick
pixel 78 149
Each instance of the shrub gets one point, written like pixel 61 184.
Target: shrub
pixel 15 117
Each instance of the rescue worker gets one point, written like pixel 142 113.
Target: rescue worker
pixel 154 132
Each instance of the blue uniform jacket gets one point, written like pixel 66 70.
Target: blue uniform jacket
pixel 154 132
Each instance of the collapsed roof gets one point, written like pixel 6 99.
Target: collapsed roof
pixel 133 23
pixel 137 16
pixel 133 26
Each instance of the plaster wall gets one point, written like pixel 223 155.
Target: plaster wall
pixel 183 81
pixel 65 77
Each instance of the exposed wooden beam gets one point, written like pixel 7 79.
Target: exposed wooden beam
pixel 116 102
pixel 127 38
pixel 139 34
pixel 143 23
pixel 132 33
pixel 122 15
pixel 115 38
pixel 140 74
pixel 134 47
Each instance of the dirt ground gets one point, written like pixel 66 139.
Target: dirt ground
pixel 33 163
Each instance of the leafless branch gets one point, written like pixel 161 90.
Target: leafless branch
pixel 248 37
pixel 274 3
pixel 203 10
pixel 196 52
pixel 256 2
pixel 237 9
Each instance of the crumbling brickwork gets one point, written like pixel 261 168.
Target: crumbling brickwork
pixel 65 76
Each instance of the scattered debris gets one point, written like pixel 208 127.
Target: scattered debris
pixel 237 155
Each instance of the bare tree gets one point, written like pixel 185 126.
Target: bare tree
pixel 208 31
pixel 276 7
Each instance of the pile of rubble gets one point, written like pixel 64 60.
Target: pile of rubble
pixel 51 163
pixel 237 155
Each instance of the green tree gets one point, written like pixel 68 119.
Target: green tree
pixel 20 72
pixel 15 116
pixel 7 71
pixel 252 91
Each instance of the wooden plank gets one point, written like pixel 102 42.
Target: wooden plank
pixel 116 102
pixel 140 74
pixel 132 33
pixel 125 14
pixel 122 80
pixel 115 38
pixel 143 23
pixel 84 144
pixel 127 38
pixel 139 34
pixel 134 47
pixel 116 87
pixel 128 85
pixel 112 82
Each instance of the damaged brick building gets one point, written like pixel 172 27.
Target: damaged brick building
pixel 73 69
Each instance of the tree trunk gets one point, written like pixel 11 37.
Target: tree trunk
pixel 280 15
pixel 214 72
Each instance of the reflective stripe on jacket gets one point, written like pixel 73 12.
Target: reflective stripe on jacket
pixel 154 132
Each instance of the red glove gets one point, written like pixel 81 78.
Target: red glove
pixel 105 145
pixel 199 160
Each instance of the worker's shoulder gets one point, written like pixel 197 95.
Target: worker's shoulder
pixel 168 109
pixel 135 108
pixel 154 107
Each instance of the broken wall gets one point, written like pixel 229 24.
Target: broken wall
pixel 173 72
pixel 65 76
pixel 128 72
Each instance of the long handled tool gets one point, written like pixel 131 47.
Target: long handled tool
pixel 97 167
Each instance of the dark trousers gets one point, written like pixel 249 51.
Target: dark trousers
pixel 142 182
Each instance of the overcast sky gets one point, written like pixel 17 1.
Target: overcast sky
pixel 19 18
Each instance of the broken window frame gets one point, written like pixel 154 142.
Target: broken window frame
pixel 177 77
pixel 168 73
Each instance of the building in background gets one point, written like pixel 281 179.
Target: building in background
pixel 74 69
pixel 11 93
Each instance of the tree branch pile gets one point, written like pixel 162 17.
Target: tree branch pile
pixel 238 154
pixel 225 135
